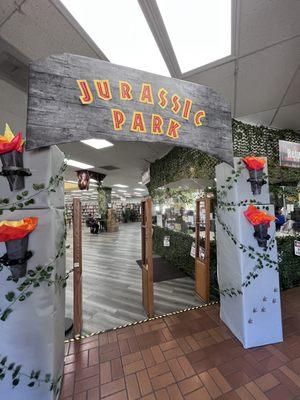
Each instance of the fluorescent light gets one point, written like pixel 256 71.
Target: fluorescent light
pixel 78 164
pixel 139 190
pixel 72 181
pixel 120 185
pixel 140 183
pixel 121 31
pixel 122 191
pixel 97 143
pixel 200 32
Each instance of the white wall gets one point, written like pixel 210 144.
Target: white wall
pixel 13 107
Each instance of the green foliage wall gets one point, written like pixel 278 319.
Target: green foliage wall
pixel 182 163
pixel 179 255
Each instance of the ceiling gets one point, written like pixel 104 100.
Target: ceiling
pixel 261 78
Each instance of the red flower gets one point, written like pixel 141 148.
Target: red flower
pixel 254 163
pixel 256 217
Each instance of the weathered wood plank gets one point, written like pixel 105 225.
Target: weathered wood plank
pixel 56 114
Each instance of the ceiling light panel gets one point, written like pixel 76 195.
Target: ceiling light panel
pixel 200 31
pixel 97 143
pixel 120 185
pixel 120 30
pixel 78 164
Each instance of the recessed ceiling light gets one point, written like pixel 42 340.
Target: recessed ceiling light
pixel 97 143
pixel 78 164
pixel 140 183
pixel 139 190
pixel 120 185
pixel 142 53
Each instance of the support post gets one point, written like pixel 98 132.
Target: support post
pixel 77 264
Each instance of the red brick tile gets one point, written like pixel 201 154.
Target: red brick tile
pixel 168 345
pixel 237 379
pixel 255 391
pixel 105 372
pixel 190 384
pixel 162 394
pixel 186 366
pixel 93 358
pixel 144 382
pixel 130 358
pixel 134 367
pixel 174 392
pixel 200 394
pixel 80 396
pixel 244 394
pixel 68 385
pixel 287 382
pixel 173 353
pixel 210 385
pixel 132 387
pixel 118 396
pixel 116 368
pixel 162 381
pixel 148 397
pixel 176 369
pixel 148 358
pixel 280 392
pixel 220 380
pixel 112 387
pixel 86 372
pixel 157 354
pixel 271 363
pixel 93 394
pixel 86 384
pixel 159 369
pixel 267 382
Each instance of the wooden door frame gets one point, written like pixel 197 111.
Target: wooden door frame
pixel 202 266
pixel 147 257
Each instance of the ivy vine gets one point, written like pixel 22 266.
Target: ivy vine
pixel 34 378
pixel 23 199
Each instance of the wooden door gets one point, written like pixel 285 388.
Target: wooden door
pixel 147 259
pixel 202 261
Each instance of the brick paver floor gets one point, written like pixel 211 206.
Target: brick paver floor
pixel 190 356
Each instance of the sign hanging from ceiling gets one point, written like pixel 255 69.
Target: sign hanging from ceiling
pixel 72 98
pixel 289 154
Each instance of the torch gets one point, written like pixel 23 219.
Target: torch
pixel 260 220
pixel 15 235
pixel 255 167
pixel 11 154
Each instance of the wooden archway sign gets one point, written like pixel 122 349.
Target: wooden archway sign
pixel 71 98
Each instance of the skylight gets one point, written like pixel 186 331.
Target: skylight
pixel 200 31
pixel 120 30
pixel 97 143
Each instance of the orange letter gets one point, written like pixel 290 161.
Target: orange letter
pixel 125 90
pixel 103 89
pixel 156 124
pixel 118 119
pixel 173 127
pixel 187 108
pixel 86 94
pixel 146 94
pixel 176 104
pixel 138 123
pixel 197 118
pixel 162 97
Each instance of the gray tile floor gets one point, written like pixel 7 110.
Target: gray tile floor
pixel 112 281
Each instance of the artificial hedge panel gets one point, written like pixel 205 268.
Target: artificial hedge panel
pixel 182 163
pixel 178 253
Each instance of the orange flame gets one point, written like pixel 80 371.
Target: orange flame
pixel 10 142
pixel 12 230
pixel 256 217
pixel 254 163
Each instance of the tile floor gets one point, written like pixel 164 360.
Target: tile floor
pixel 190 356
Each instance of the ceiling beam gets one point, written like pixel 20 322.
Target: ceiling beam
pixel 159 31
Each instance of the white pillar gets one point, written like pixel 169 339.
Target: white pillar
pixel 33 334
pixel 254 316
